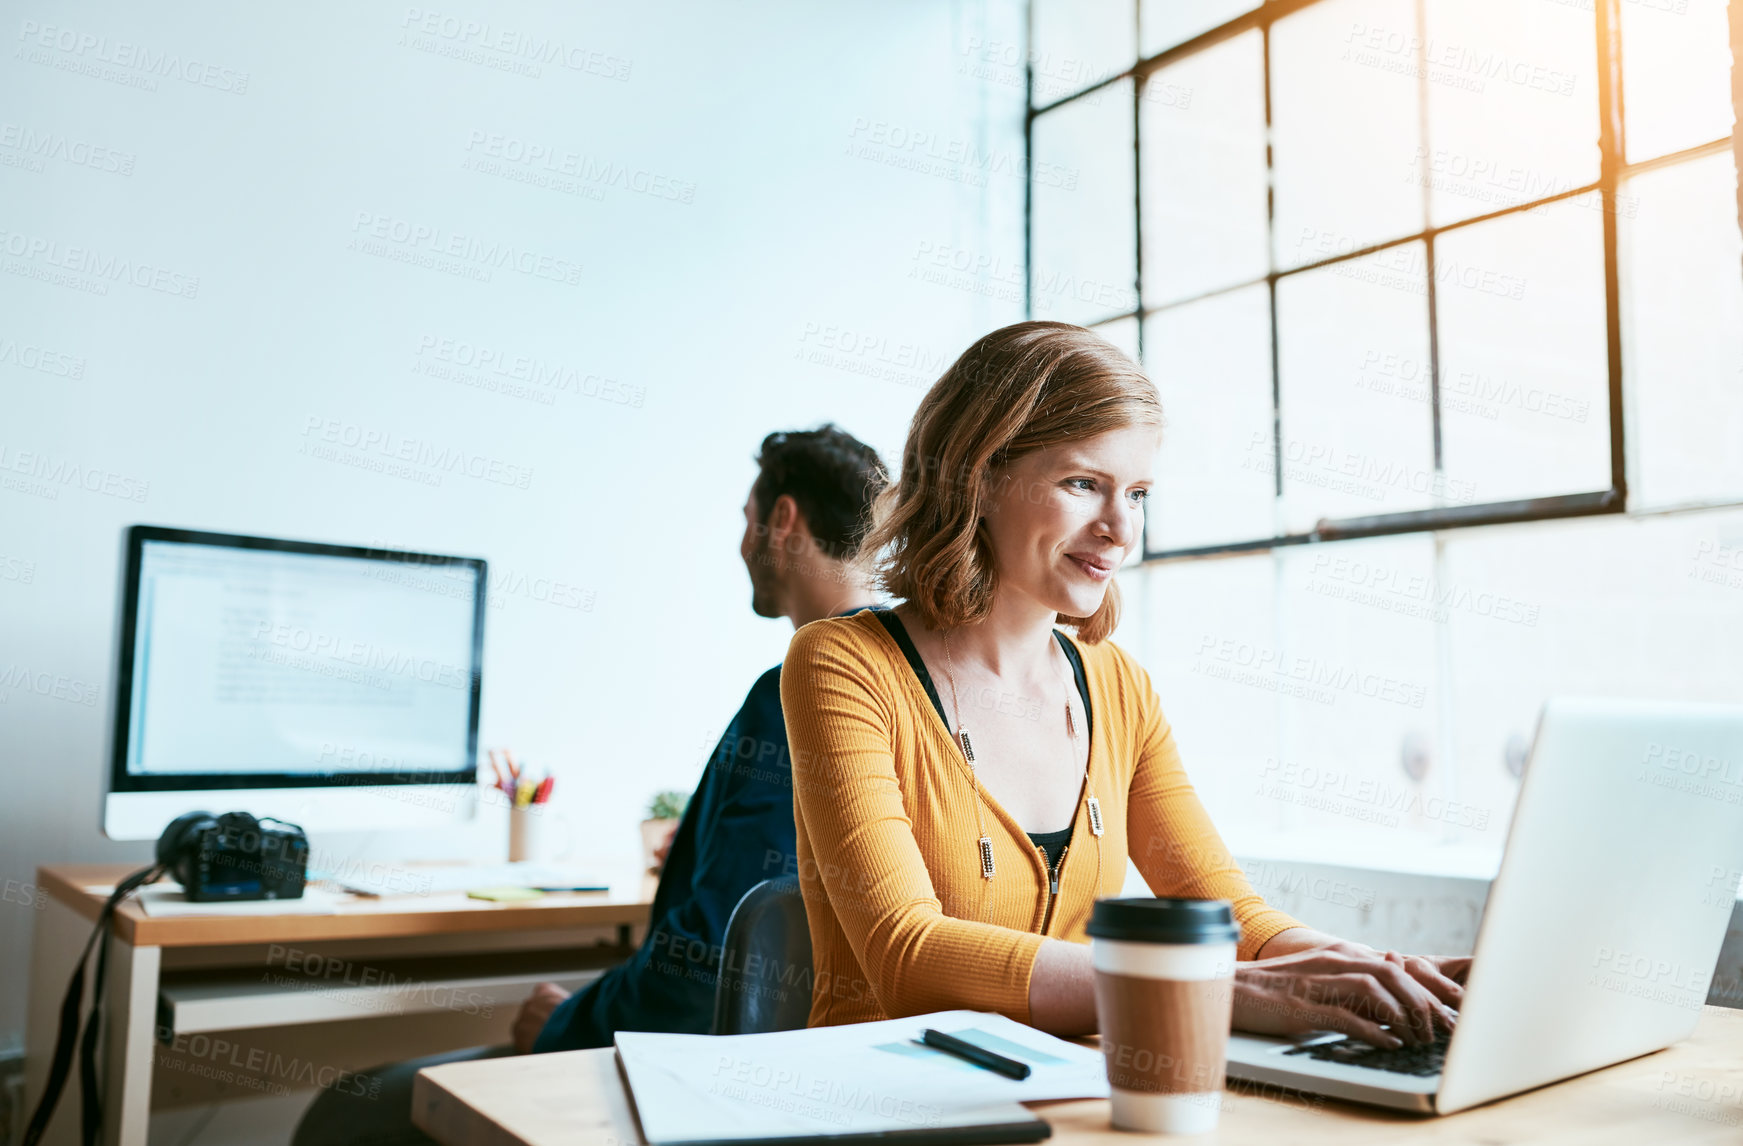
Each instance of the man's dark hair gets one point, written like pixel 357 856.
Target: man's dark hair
pixel 830 474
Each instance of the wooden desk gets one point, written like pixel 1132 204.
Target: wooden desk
pixel 1690 1094
pixel 233 963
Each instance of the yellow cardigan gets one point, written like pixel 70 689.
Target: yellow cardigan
pixel 902 922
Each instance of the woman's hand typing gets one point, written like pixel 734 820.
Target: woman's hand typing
pixel 1306 981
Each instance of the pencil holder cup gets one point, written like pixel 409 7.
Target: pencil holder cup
pixel 526 833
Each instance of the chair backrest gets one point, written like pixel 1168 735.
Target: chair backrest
pixel 764 982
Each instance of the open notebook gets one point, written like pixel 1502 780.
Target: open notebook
pixel 861 1080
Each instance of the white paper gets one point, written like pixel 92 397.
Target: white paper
pixel 857 1078
pixel 167 899
pixel 436 880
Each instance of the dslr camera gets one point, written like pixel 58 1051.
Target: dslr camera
pixel 234 856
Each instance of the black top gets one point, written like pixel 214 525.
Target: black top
pixel 1052 844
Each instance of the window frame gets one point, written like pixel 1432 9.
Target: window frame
pixel 1613 171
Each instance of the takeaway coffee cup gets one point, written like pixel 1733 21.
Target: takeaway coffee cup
pixel 1164 994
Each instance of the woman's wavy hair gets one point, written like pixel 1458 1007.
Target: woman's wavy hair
pixel 1019 389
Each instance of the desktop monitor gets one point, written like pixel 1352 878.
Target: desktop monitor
pixel 332 686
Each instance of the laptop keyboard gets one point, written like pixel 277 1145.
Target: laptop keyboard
pixel 1423 1061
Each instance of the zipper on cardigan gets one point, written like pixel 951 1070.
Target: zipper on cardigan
pixel 1052 883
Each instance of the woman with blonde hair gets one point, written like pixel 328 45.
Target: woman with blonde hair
pixel 969 779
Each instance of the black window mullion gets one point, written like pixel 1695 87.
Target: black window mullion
pixel 1271 279
pixel 1436 232
pixel 1427 188
pixel 1611 142
pixel 1138 83
pixel 1613 169
pixel 1434 357
pixel 1029 160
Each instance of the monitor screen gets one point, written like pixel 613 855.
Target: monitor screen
pixel 251 662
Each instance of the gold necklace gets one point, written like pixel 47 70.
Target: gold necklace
pixel 1092 805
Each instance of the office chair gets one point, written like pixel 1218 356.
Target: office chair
pixel 765 966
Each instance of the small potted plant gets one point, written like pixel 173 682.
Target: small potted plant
pixel 664 812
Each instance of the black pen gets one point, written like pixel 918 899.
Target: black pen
pixel 979 1056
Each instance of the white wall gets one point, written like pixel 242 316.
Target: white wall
pixel 829 162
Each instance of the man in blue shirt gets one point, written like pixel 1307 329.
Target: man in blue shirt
pixel 804 518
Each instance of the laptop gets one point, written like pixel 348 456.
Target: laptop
pixel 1601 932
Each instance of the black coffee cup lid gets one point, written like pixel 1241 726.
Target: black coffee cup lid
pixel 1152 920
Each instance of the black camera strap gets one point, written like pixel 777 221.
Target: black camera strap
pixel 91 1105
